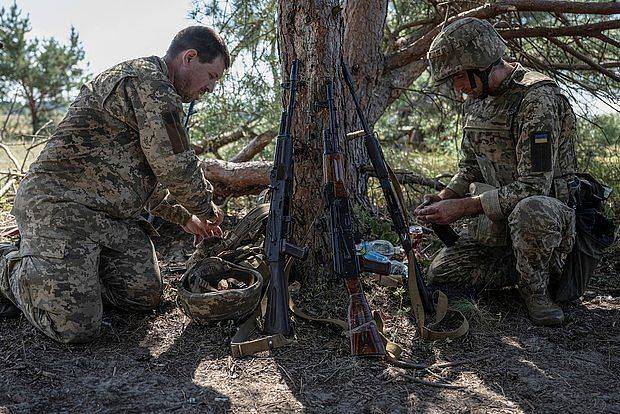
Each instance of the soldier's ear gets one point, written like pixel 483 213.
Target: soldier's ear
pixel 190 54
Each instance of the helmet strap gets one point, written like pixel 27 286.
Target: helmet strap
pixel 484 77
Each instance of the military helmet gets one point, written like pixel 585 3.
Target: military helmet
pixel 217 290
pixel 466 44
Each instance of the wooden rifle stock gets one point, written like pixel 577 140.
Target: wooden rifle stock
pixel 365 339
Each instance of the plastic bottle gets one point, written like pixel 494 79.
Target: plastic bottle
pixel 382 247
pixel 398 268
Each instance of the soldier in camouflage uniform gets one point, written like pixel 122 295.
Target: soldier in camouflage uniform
pixel 518 159
pixel 121 148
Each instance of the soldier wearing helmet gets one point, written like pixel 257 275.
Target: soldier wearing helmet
pixel 517 162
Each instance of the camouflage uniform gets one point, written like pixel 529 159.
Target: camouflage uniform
pixel 119 149
pixel 520 143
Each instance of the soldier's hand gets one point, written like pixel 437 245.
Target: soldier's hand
pixel 449 211
pixel 219 216
pixel 203 229
pixel 427 200
pixel 442 212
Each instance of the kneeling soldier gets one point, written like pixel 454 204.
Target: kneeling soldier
pixel 517 164
pixel 120 148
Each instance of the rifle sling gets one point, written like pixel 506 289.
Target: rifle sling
pixel 441 302
pixel 240 346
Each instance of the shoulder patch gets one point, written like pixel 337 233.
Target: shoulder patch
pixel 176 132
pixel 540 143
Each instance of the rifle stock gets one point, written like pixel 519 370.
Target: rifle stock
pixel 365 339
pixel 277 247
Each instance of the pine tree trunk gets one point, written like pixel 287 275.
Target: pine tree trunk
pixel 313 32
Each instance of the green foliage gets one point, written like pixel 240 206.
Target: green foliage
pixel 598 152
pixel 249 95
pixel 40 71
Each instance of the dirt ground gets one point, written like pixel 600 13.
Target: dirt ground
pixel 161 362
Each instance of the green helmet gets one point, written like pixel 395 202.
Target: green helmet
pixel 217 290
pixel 464 45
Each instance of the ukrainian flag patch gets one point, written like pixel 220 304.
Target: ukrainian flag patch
pixel 540 143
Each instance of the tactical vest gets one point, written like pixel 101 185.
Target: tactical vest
pixel 496 129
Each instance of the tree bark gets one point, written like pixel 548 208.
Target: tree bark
pixel 364 21
pixel 310 30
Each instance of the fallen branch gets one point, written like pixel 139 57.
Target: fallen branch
pixel 12 173
pixel 12 157
pixel 569 66
pixel 254 147
pixel 597 67
pixel 9 185
pixel 417 50
pixel 431 384
pixel 412 365
pixel 608 40
pixel 579 30
pixel 236 179
pixel 572 7
pixel 407 177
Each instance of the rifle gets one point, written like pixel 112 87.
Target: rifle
pixel 391 197
pixel 277 247
pixel 365 337
pixel 421 298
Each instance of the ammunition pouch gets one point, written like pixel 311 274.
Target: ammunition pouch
pixel 484 230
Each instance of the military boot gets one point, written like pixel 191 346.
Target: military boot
pixel 7 309
pixel 542 310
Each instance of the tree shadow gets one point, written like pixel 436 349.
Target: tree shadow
pixel 115 373
pixel 524 368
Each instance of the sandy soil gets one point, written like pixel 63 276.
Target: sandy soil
pixel 161 362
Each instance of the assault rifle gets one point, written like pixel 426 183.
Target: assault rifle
pixel 277 247
pixel 365 337
pixel 394 206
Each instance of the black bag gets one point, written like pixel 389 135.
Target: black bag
pixel 595 233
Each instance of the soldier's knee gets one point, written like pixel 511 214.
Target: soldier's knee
pixel 137 298
pixel 525 210
pixel 150 293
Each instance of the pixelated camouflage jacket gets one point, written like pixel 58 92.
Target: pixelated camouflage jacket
pixel 520 140
pixel 121 137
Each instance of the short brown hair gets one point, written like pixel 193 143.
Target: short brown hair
pixel 205 40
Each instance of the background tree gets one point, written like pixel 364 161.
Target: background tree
pixel 41 71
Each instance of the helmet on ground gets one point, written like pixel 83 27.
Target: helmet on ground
pixel 217 290
pixel 468 44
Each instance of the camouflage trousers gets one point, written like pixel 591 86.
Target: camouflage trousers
pixel 61 283
pixel 542 233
